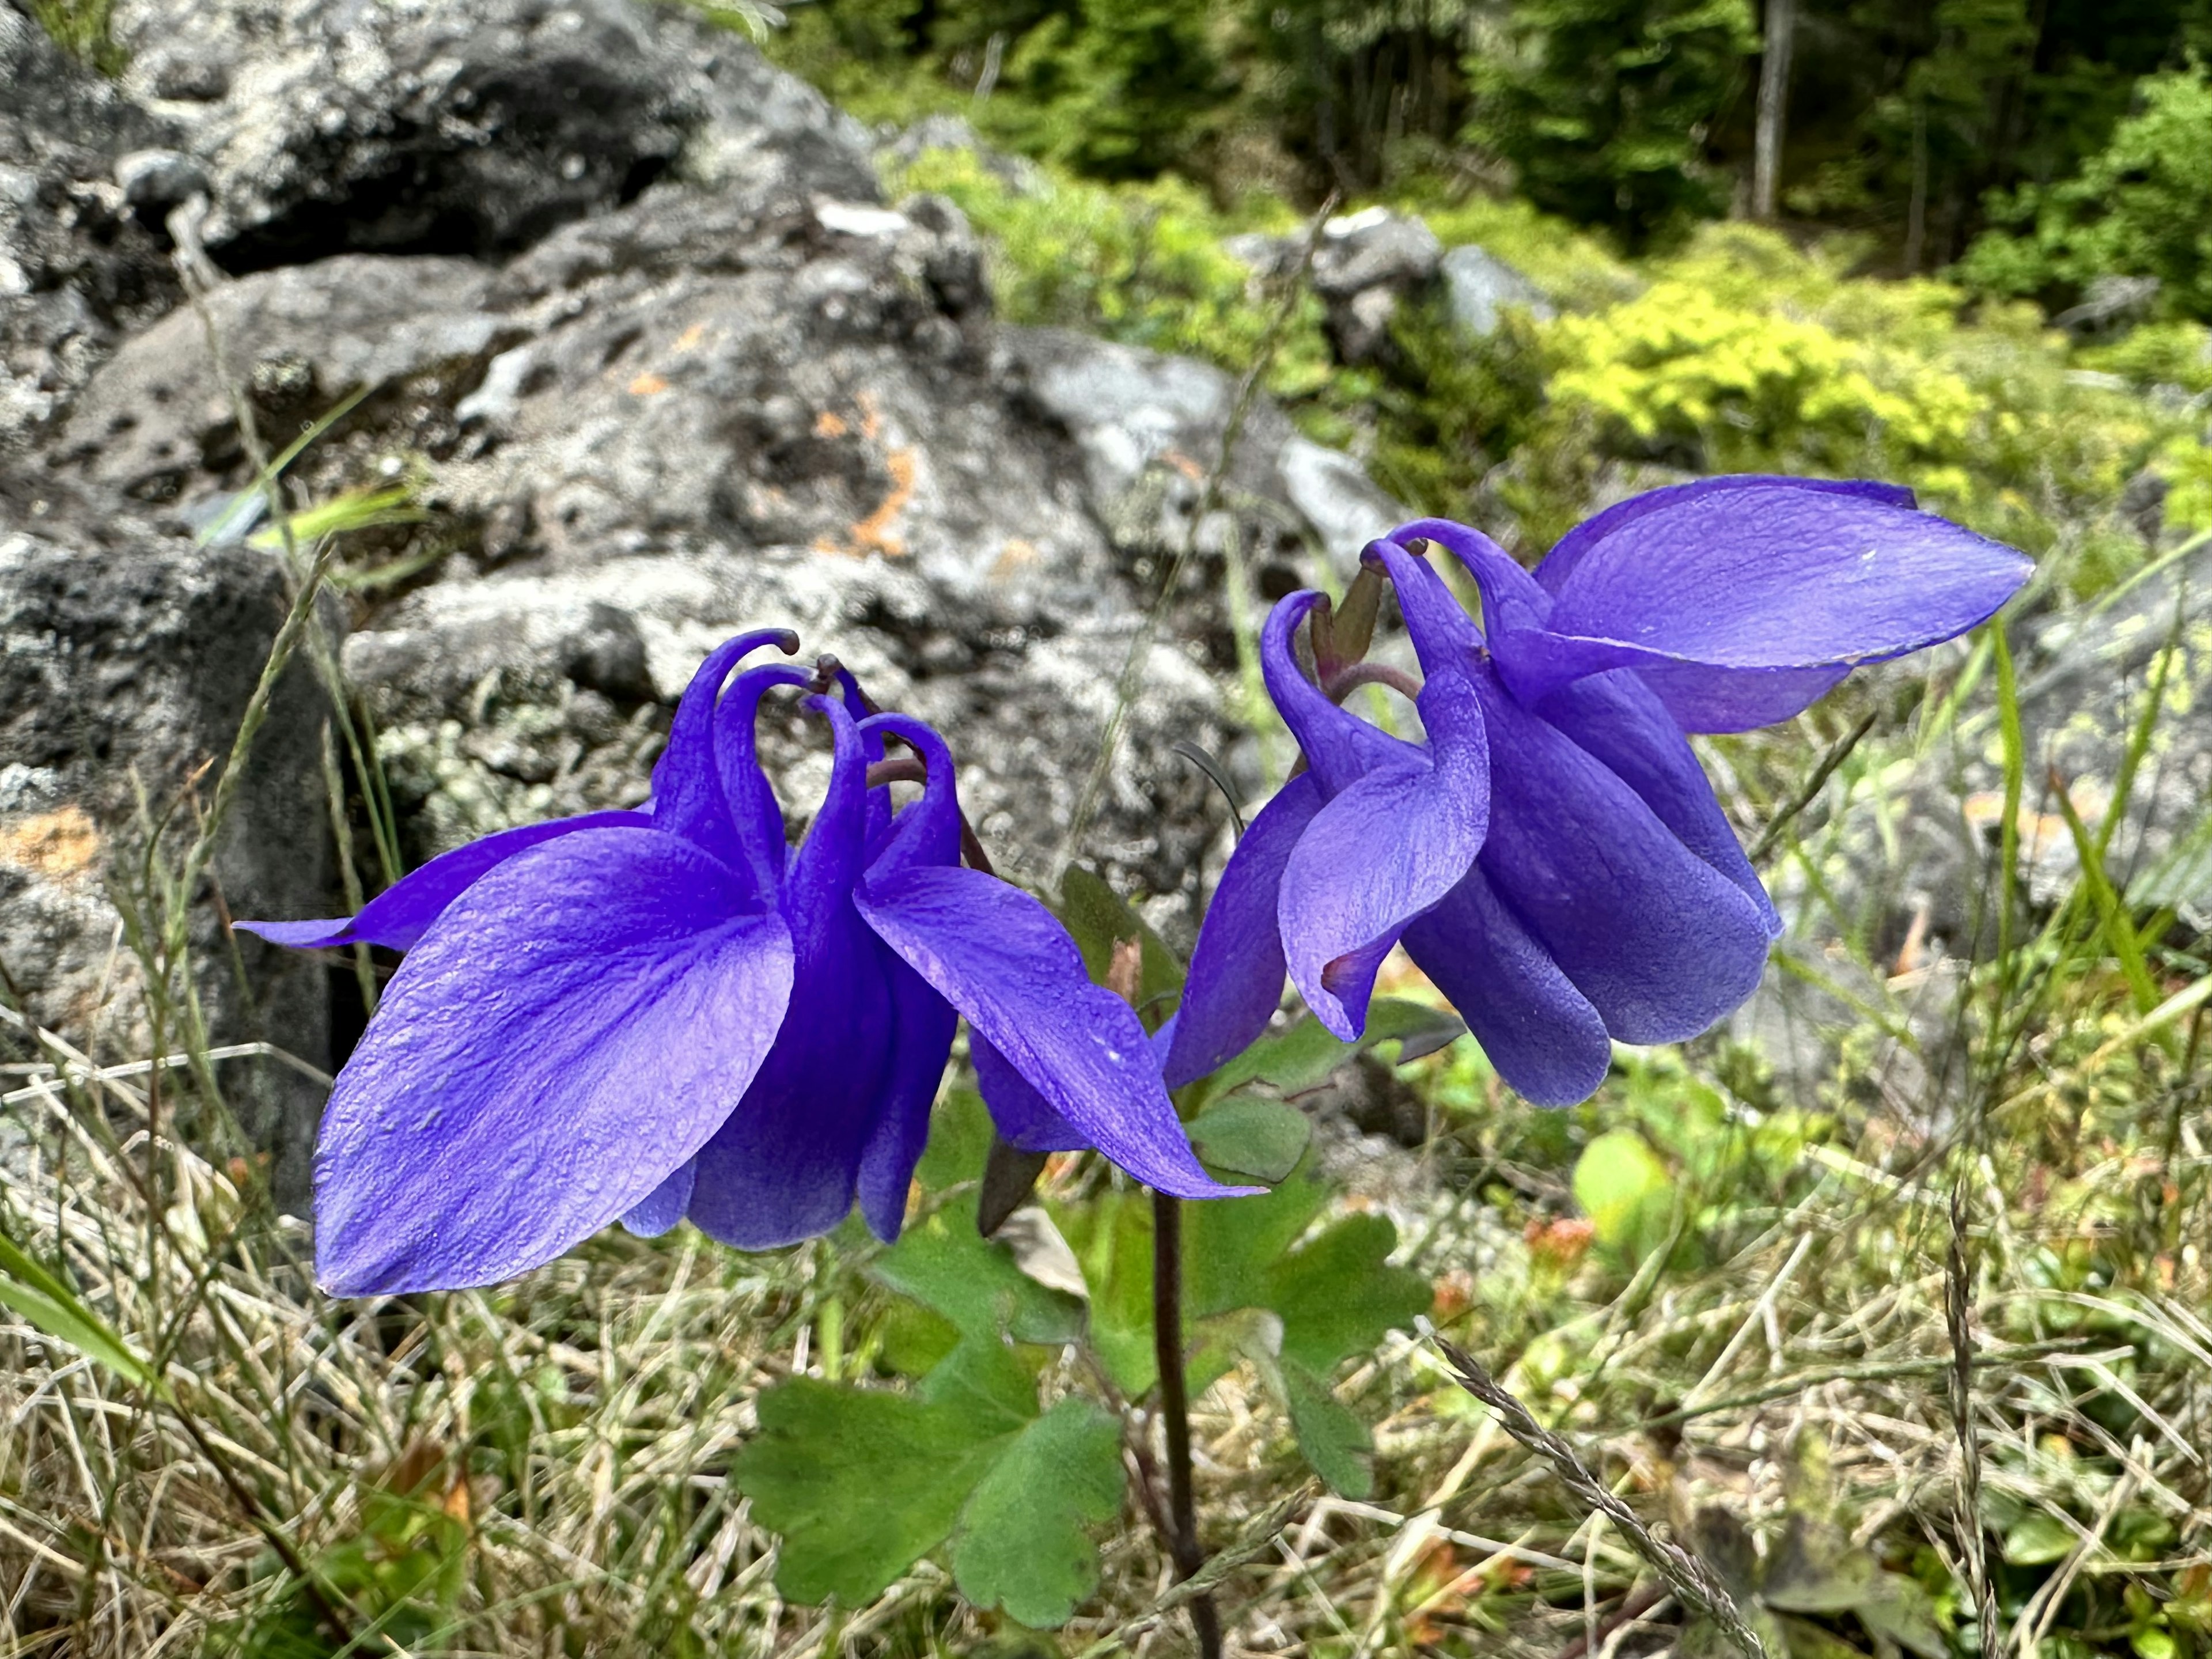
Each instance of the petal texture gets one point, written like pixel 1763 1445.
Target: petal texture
pixel 1773 576
pixel 1023 1118
pixel 1619 719
pixel 1388 847
pixel 754 822
pixel 1337 745
pixel 1236 978
pixel 687 790
pixel 920 1042
pixel 784 1164
pixel 1541 1034
pixel 1660 942
pixel 1560 562
pixel 400 915
pixel 569 1033
pixel 1000 958
pixel 664 1206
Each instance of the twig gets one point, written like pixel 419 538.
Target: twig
pixel 1255 1541
pixel 1248 390
pixel 1175 1413
pixel 1687 1575
pixel 1873 1371
pixel 1839 752
pixel 1956 1309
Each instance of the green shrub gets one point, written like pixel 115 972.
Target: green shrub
pixel 2141 207
pixel 1745 354
pixel 1143 265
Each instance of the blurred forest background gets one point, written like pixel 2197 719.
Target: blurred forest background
pixel 1999 164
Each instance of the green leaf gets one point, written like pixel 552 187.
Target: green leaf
pixel 986 1379
pixel 1800 1639
pixel 1814 1569
pixel 1338 1295
pixel 861 1484
pixel 2039 1540
pixel 1098 918
pixel 960 1135
pixel 1626 1190
pixel 943 1263
pixel 1334 1441
pixel 2152 1643
pixel 1022 1542
pixel 1901 1609
pixel 1302 1057
pixel 1213 1345
pixel 47 1302
pixel 1247 1135
pixel 1112 1238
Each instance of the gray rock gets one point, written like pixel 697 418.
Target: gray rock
pixel 2111 303
pixel 1373 249
pixel 1364 264
pixel 1149 428
pixel 1478 287
pixel 297 341
pixel 644 413
pixel 1913 889
pixel 130 658
pixel 326 126
pixel 154 181
pixel 2084 686
pixel 77 268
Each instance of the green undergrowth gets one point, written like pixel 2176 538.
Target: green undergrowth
pixel 1738 352
pixel 1743 1289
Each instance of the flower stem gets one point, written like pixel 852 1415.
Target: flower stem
pixel 1174 1410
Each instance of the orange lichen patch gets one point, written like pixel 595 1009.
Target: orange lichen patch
pixel 648 384
pixel 1454 1294
pixel 2039 832
pixel 830 424
pixel 1559 1244
pixel 877 533
pixel 690 339
pixel 59 846
pixel 1016 555
pixel 824 544
pixel 872 417
pixel 1183 463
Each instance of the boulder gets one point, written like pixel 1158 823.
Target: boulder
pixel 1906 893
pixel 617 308
pixel 1478 287
pixel 1364 264
pixel 77 266
pixel 324 127
pixel 130 657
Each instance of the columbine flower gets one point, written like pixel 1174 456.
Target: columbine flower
pixel 654 1014
pixel 1551 855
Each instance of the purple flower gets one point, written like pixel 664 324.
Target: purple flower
pixel 1551 855
pixel 655 1014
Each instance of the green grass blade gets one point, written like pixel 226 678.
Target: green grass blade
pixel 42 1298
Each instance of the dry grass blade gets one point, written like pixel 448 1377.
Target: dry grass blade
pixel 1686 1574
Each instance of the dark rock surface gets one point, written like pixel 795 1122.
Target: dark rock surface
pixel 130 655
pixel 651 362
pixel 77 267
pixel 1479 287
